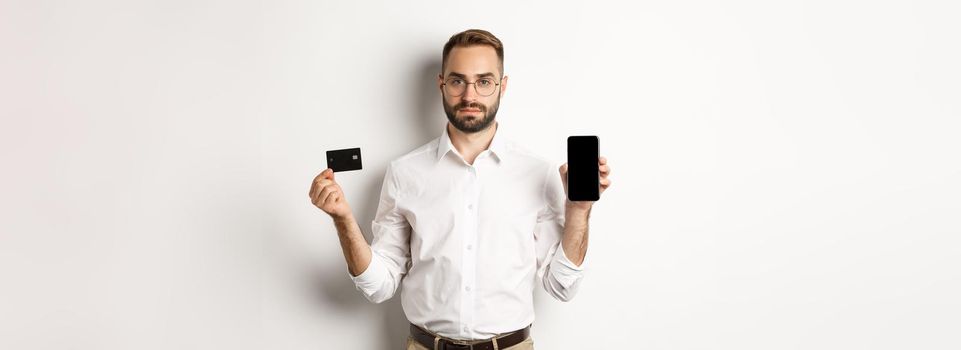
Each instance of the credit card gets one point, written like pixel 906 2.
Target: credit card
pixel 344 159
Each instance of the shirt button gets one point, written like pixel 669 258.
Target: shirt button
pixel 465 328
pixel 470 206
pixel 469 246
pixel 467 288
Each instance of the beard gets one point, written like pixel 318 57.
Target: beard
pixel 471 123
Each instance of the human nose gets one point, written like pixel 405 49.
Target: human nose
pixel 470 92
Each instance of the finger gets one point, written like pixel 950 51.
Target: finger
pixel 319 181
pixel 563 169
pixel 324 194
pixel 327 173
pixel 315 195
pixel 318 186
pixel 315 189
pixel 332 198
pixel 605 183
pixel 602 160
pixel 323 191
pixel 605 170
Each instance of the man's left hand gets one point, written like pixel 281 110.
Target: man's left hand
pixel 604 169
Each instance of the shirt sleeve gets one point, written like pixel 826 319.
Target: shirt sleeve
pixel 390 247
pixel 558 274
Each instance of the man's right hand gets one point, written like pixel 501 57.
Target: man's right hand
pixel 327 195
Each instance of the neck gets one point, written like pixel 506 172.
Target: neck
pixel 471 145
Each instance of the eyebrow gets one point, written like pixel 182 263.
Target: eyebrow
pixel 459 75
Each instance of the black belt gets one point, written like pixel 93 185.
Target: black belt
pixel 428 340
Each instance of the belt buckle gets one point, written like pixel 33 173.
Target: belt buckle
pixel 458 345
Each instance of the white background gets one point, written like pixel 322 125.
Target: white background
pixel 785 174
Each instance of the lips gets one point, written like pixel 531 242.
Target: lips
pixel 470 110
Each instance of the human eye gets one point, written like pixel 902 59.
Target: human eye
pixel 485 82
pixel 455 81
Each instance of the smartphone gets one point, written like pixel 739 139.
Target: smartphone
pixel 583 171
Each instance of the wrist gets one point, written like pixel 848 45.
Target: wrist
pixel 579 208
pixel 345 219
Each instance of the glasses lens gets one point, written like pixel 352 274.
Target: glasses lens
pixel 485 87
pixel 455 86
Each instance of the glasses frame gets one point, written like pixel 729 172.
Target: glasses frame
pixel 497 84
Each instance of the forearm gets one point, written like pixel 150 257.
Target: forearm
pixel 576 227
pixel 355 247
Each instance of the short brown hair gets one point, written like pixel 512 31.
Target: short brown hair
pixel 473 37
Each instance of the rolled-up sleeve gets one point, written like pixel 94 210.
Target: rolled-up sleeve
pixel 390 246
pixel 558 274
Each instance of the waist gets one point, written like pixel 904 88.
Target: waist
pixel 433 340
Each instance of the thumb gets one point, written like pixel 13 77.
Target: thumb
pixel 328 173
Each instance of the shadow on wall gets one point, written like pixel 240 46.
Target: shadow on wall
pixel 337 287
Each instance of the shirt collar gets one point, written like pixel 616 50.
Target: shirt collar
pixel 498 144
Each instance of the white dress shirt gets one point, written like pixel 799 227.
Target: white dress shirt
pixel 469 242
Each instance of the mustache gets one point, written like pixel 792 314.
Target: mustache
pixel 460 106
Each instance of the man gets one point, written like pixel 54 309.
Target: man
pixel 470 222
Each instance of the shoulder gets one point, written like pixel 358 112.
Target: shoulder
pixel 407 164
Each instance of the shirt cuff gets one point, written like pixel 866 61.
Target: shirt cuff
pixel 372 278
pixel 564 270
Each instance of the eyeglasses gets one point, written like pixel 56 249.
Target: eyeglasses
pixel 457 86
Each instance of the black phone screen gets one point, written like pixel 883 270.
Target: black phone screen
pixel 583 174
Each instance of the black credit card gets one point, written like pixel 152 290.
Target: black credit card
pixel 344 159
